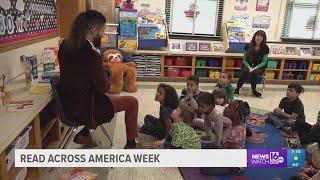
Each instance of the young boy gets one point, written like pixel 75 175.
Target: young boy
pixel 188 97
pixel 181 135
pixel 224 81
pixel 292 109
pixel 307 133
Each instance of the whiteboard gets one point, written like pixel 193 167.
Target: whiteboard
pixel 300 26
pixel 205 21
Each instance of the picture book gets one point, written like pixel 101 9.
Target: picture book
pixel 15 106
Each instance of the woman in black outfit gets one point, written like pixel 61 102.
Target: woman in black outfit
pixel 255 59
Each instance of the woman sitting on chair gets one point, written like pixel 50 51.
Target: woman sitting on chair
pixel 84 84
pixel 255 59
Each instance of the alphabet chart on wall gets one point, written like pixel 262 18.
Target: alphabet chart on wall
pixel 24 19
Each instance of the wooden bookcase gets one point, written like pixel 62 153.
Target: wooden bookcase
pixel 280 70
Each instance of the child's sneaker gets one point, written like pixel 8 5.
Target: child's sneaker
pixel 311 148
pixel 287 130
pixel 294 143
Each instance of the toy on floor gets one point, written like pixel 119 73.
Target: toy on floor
pixel 122 75
pixel 256 120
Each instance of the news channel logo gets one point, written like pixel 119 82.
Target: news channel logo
pixel 263 158
pixel 276 158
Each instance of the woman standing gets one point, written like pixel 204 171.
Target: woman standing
pixel 255 59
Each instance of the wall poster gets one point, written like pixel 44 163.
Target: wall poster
pixel 25 19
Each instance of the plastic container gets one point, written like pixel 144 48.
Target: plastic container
pixel 303 65
pixel 272 64
pixel 181 61
pixel 317 77
pixel 185 73
pixel 312 77
pixel 229 63
pixel 269 74
pixel 168 61
pixel 173 72
pixel 214 74
pixel 201 73
pixel 238 63
pixel 214 63
pixel 315 67
pixel 201 63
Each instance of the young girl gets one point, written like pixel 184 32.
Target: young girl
pixel 167 97
pixel 238 111
pixel 181 135
pixel 222 125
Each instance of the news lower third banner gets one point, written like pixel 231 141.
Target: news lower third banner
pixel 256 158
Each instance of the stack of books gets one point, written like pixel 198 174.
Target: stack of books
pixel 15 106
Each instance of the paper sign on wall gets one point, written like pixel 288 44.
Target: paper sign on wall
pixel 262 5
pixel 261 21
pixel 241 5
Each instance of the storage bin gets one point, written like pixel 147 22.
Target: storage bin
pixel 214 63
pixel 317 77
pixel 181 61
pixel 315 67
pixel 299 76
pixel 303 65
pixel 269 74
pixel 201 73
pixel 229 63
pixel 185 73
pixel 290 65
pixel 168 61
pixel 173 72
pixel 272 64
pixel 238 63
pixel 312 77
pixel 201 63
pixel 214 74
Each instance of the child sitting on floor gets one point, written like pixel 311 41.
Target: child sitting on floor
pixel 293 109
pixel 167 97
pixel 188 97
pixel 220 99
pixel 308 133
pixel 222 125
pixel 238 111
pixel 224 81
pixel 181 135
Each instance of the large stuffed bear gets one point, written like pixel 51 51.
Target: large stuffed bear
pixel 121 75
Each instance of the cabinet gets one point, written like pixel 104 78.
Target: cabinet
pixel 207 66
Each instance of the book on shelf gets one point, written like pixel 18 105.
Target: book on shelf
pixel 15 106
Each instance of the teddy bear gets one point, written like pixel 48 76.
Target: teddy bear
pixel 122 75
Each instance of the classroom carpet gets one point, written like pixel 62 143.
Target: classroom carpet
pixel 274 140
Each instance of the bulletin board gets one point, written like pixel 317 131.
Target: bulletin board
pixel 25 20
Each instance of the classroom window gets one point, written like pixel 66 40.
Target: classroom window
pixel 301 20
pixel 194 17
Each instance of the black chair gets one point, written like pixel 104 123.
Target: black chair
pixel 73 125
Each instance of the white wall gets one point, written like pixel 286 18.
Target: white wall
pixel 276 11
pixel 10 60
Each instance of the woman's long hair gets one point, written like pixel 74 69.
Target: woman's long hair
pixel 252 44
pixel 83 23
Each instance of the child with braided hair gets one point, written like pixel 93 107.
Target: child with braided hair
pixel 238 111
